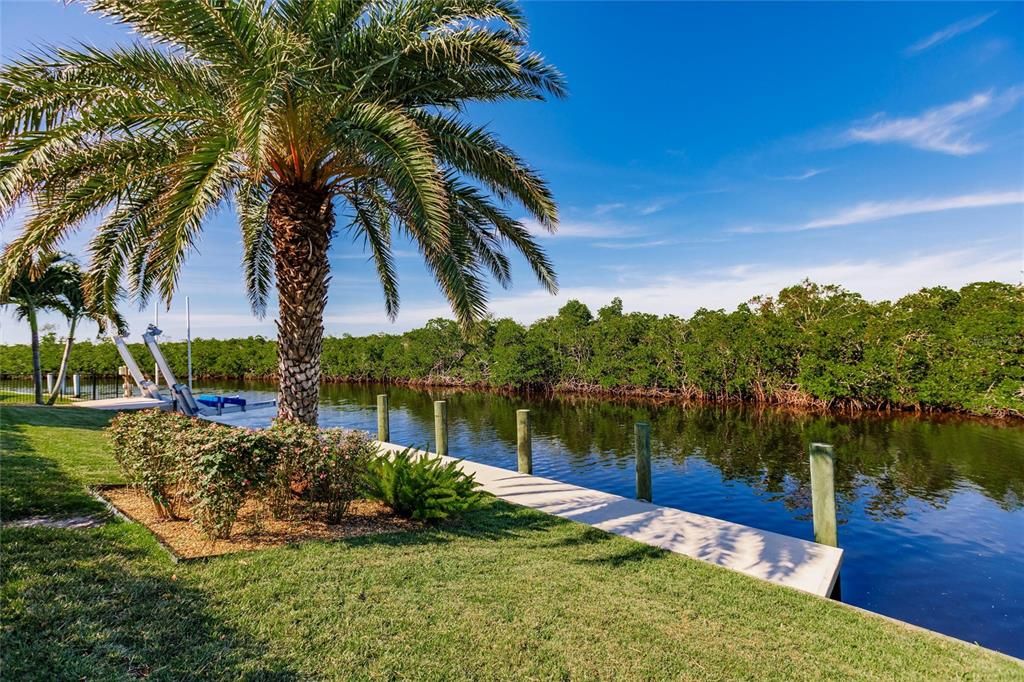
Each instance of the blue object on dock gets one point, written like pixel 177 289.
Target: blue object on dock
pixel 219 401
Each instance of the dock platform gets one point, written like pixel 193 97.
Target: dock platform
pixel 125 404
pixel 780 559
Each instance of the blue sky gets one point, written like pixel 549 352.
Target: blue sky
pixel 707 153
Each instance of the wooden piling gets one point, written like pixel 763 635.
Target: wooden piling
pixel 524 445
pixel 441 426
pixel 642 446
pixel 383 419
pixel 823 494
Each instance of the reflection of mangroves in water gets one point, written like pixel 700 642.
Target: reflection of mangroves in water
pixel 883 460
pixel 811 345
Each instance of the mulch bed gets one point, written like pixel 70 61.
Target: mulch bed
pixel 254 528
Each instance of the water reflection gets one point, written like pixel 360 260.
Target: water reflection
pixel 886 460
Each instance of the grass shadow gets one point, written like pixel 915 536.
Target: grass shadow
pixel 632 555
pixel 495 520
pixel 77 418
pixel 33 484
pixel 98 605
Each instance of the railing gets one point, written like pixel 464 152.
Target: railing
pixel 76 387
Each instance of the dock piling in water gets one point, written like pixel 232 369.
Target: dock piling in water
pixel 823 494
pixel 441 426
pixel 383 419
pixel 642 445
pixel 524 446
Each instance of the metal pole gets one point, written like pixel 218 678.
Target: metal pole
pixel 156 323
pixel 188 340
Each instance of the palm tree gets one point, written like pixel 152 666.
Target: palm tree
pixel 295 111
pixel 72 303
pixel 35 286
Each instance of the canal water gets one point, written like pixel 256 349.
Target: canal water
pixel 931 510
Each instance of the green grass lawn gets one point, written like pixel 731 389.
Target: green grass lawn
pixel 506 594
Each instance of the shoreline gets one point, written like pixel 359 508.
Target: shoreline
pixel 796 402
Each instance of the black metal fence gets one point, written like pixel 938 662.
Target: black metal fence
pixel 76 387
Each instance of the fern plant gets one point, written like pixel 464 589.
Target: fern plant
pixel 420 487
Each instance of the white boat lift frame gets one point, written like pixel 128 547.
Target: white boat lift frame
pixel 182 398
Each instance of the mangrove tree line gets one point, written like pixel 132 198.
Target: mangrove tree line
pixel 811 345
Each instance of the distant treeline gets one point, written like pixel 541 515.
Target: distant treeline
pixel 811 345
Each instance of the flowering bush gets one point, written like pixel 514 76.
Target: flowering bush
pixel 321 466
pixel 140 446
pixel 220 465
pixel 215 468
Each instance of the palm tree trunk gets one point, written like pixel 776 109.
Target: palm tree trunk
pixel 63 362
pixel 37 369
pixel 301 218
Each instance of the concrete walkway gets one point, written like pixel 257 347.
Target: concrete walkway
pixel 780 559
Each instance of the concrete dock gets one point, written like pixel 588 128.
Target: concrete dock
pixel 780 559
pixel 125 404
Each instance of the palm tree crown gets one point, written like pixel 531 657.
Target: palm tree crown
pixel 293 110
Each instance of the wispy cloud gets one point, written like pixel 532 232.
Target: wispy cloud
pixel 948 33
pixel 946 129
pixel 602 209
pixel 806 175
pixel 653 207
pixel 633 244
pixel 873 211
pixel 574 229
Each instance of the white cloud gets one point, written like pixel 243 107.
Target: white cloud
pixel 806 175
pixel 671 293
pixel 870 211
pixel 945 129
pixel 633 244
pixel 602 209
pixel 948 33
pixel 570 229
pixel 728 286
pixel 653 207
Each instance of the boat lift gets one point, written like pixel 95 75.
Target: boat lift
pixel 181 395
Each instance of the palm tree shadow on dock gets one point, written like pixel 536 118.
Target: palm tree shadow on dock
pixel 763 554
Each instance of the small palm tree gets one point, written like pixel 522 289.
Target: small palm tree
pixel 35 286
pixel 72 303
pixel 297 111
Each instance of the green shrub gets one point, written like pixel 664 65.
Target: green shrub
pixel 140 445
pixel 321 466
pixel 420 487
